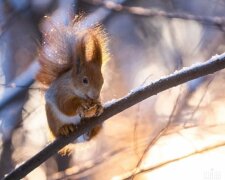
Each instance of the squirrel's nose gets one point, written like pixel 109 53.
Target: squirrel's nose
pixel 93 94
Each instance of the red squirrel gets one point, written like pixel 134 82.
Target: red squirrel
pixel 70 65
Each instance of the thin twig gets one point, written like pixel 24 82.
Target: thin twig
pixel 116 106
pixel 159 134
pixel 148 169
pixel 199 103
pixel 135 131
pixel 25 80
pixel 13 85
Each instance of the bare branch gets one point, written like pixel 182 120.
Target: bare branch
pixel 145 12
pixel 138 171
pixel 20 84
pixel 159 134
pixel 199 103
pixel 116 106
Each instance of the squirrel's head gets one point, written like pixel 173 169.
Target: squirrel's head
pixel 86 72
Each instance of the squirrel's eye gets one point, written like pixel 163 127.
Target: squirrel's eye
pixel 85 80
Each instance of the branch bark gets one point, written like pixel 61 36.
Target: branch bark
pixel 114 107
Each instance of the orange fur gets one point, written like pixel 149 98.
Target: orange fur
pixel 68 59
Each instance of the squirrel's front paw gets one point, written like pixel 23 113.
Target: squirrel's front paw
pixel 99 110
pixel 67 129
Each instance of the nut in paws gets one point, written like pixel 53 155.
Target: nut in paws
pixel 88 110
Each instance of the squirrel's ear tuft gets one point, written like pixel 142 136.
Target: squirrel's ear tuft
pixel 99 40
pixel 80 54
pixel 96 45
pixel 91 47
pixel 97 51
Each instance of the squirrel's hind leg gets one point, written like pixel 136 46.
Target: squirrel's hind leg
pixel 92 133
pixel 67 150
pixel 67 129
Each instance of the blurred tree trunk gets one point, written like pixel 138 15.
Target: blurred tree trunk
pixel 18 50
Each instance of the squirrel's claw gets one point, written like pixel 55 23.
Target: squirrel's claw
pixel 85 105
pixel 87 113
pixel 66 129
pixel 99 110
pixel 67 150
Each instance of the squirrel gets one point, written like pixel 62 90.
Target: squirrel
pixel 70 66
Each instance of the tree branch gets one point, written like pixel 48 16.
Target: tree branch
pixel 146 12
pixel 116 106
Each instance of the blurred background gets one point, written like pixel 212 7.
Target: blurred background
pixel 178 134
